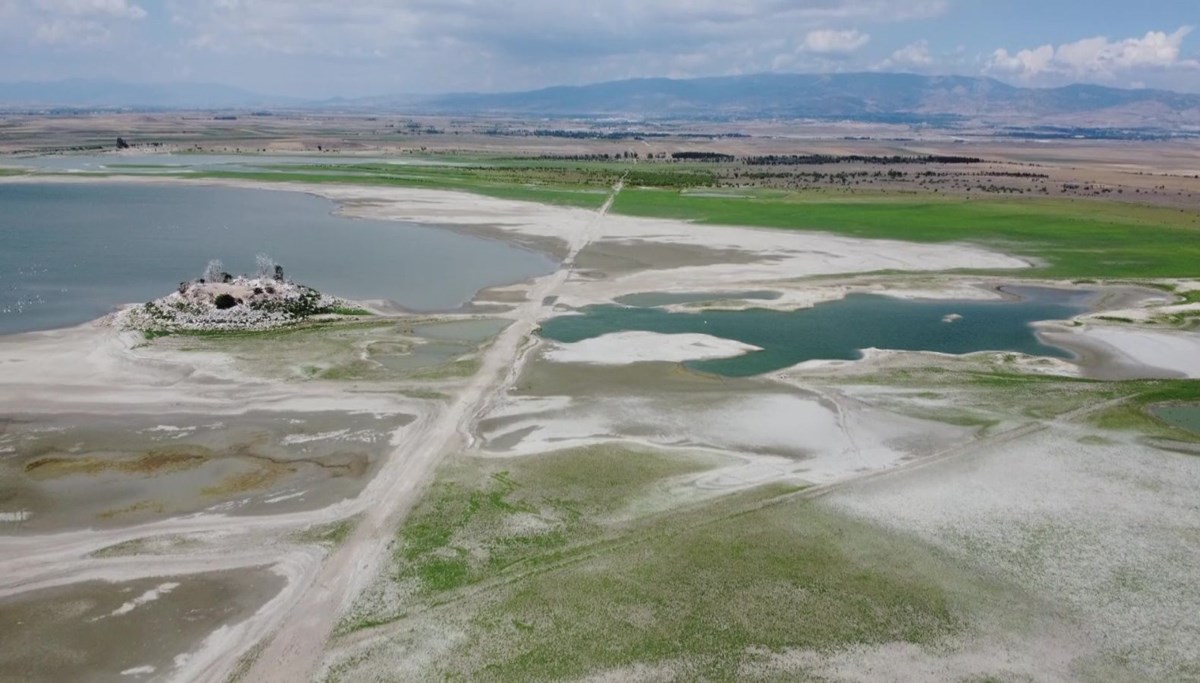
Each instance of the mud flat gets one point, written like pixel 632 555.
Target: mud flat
pixel 140 630
pixel 770 432
pixel 135 465
pixel 77 470
pixel 1123 352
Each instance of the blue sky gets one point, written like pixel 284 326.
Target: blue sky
pixel 363 47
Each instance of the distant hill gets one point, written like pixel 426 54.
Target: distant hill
pixel 862 96
pixel 878 97
pixel 85 93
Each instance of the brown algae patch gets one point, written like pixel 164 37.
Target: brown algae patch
pixel 144 506
pixel 74 470
pixel 260 478
pixel 150 464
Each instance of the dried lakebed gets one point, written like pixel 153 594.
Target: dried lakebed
pixel 528 487
pixel 76 470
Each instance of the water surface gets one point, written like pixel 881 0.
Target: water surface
pixel 1182 415
pixel 137 163
pixel 73 251
pixel 839 330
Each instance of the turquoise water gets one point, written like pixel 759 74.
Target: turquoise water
pixel 71 252
pixel 837 330
pixel 1182 415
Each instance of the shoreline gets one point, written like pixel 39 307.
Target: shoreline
pixel 391 204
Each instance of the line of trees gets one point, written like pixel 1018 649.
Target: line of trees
pixel 816 159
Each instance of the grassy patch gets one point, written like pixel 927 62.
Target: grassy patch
pixel 465 367
pixel 485 519
pixel 1138 418
pixel 330 535
pixel 345 350
pixel 703 601
pixel 151 545
pixel 555 568
pixel 344 310
pixel 1075 238
pixel 480 520
pixel 246 662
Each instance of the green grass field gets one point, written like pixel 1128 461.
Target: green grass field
pixel 1074 239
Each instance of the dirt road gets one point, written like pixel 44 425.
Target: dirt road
pixel 294 652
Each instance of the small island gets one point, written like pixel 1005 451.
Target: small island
pixel 220 302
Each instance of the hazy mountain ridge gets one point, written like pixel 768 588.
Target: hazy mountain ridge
pixel 835 95
pixel 864 96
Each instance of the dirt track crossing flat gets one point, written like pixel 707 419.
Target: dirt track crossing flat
pixel 294 651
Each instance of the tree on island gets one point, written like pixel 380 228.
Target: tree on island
pixel 121 144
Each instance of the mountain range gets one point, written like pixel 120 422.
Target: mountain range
pixel 855 96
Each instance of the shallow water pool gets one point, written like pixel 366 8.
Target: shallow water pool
pixel 839 330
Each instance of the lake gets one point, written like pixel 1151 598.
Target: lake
pixel 839 330
pixel 74 251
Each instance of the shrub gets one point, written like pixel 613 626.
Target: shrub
pixel 224 301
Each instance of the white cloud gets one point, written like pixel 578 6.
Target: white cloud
pixel 418 45
pixel 1097 58
pixel 67 23
pixel 911 57
pixel 1024 64
pixel 116 9
pixel 537 27
pixel 829 41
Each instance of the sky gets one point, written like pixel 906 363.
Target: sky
pixel 352 48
